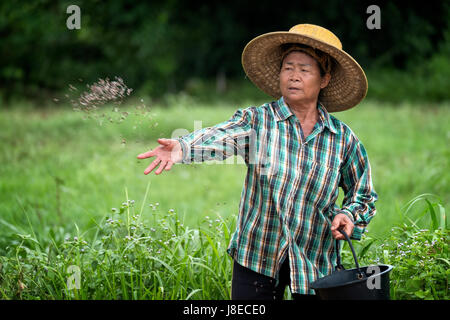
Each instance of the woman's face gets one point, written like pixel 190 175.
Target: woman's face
pixel 300 80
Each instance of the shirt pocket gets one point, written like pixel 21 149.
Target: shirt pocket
pixel 322 185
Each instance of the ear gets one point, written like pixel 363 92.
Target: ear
pixel 325 80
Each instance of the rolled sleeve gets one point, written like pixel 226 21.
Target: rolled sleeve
pixel 186 150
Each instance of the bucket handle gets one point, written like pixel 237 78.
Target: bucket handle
pixel 339 265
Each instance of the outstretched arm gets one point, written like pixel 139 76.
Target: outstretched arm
pixel 231 137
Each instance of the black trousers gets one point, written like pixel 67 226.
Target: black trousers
pixel 249 285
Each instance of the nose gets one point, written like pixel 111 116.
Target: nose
pixel 295 76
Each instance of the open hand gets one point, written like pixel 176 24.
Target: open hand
pixel 167 153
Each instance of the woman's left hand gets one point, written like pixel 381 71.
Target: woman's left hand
pixel 341 221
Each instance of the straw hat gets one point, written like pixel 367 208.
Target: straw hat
pixel 261 60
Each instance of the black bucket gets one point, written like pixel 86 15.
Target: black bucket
pixel 365 283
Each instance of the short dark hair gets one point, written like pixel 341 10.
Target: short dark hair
pixel 324 61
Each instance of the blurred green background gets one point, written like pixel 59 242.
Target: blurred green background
pixel 183 60
pixel 161 47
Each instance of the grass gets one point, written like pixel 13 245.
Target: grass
pixel 61 175
pixel 125 258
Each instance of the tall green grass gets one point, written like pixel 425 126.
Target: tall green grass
pixel 122 257
pixel 417 248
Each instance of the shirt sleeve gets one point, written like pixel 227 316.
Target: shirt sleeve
pixel 231 137
pixel 359 194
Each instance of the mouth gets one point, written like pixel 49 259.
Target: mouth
pixel 293 89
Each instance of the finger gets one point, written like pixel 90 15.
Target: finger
pixel 337 235
pixel 152 166
pixel 169 165
pixel 339 224
pixel 164 141
pixel 161 167
pixel 335 224
pixel 146 155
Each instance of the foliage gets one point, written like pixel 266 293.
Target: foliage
pixel 125 259
pixel 158 47
pixel 426 79
pixel 129 259
pixel 421 262
pixel 420 255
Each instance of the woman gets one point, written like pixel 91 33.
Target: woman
pixel 297 155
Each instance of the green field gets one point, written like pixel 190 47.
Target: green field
pixel 61 174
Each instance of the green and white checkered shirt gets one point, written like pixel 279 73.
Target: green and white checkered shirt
pixel 289 196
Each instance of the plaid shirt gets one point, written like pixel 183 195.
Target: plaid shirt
pixel 289 196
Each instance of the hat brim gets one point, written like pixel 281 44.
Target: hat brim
pixel 261 60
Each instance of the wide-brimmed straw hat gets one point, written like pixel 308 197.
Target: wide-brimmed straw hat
pixel 262 56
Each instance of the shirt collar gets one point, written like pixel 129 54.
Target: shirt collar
pixel 282 112
pixel 325 117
